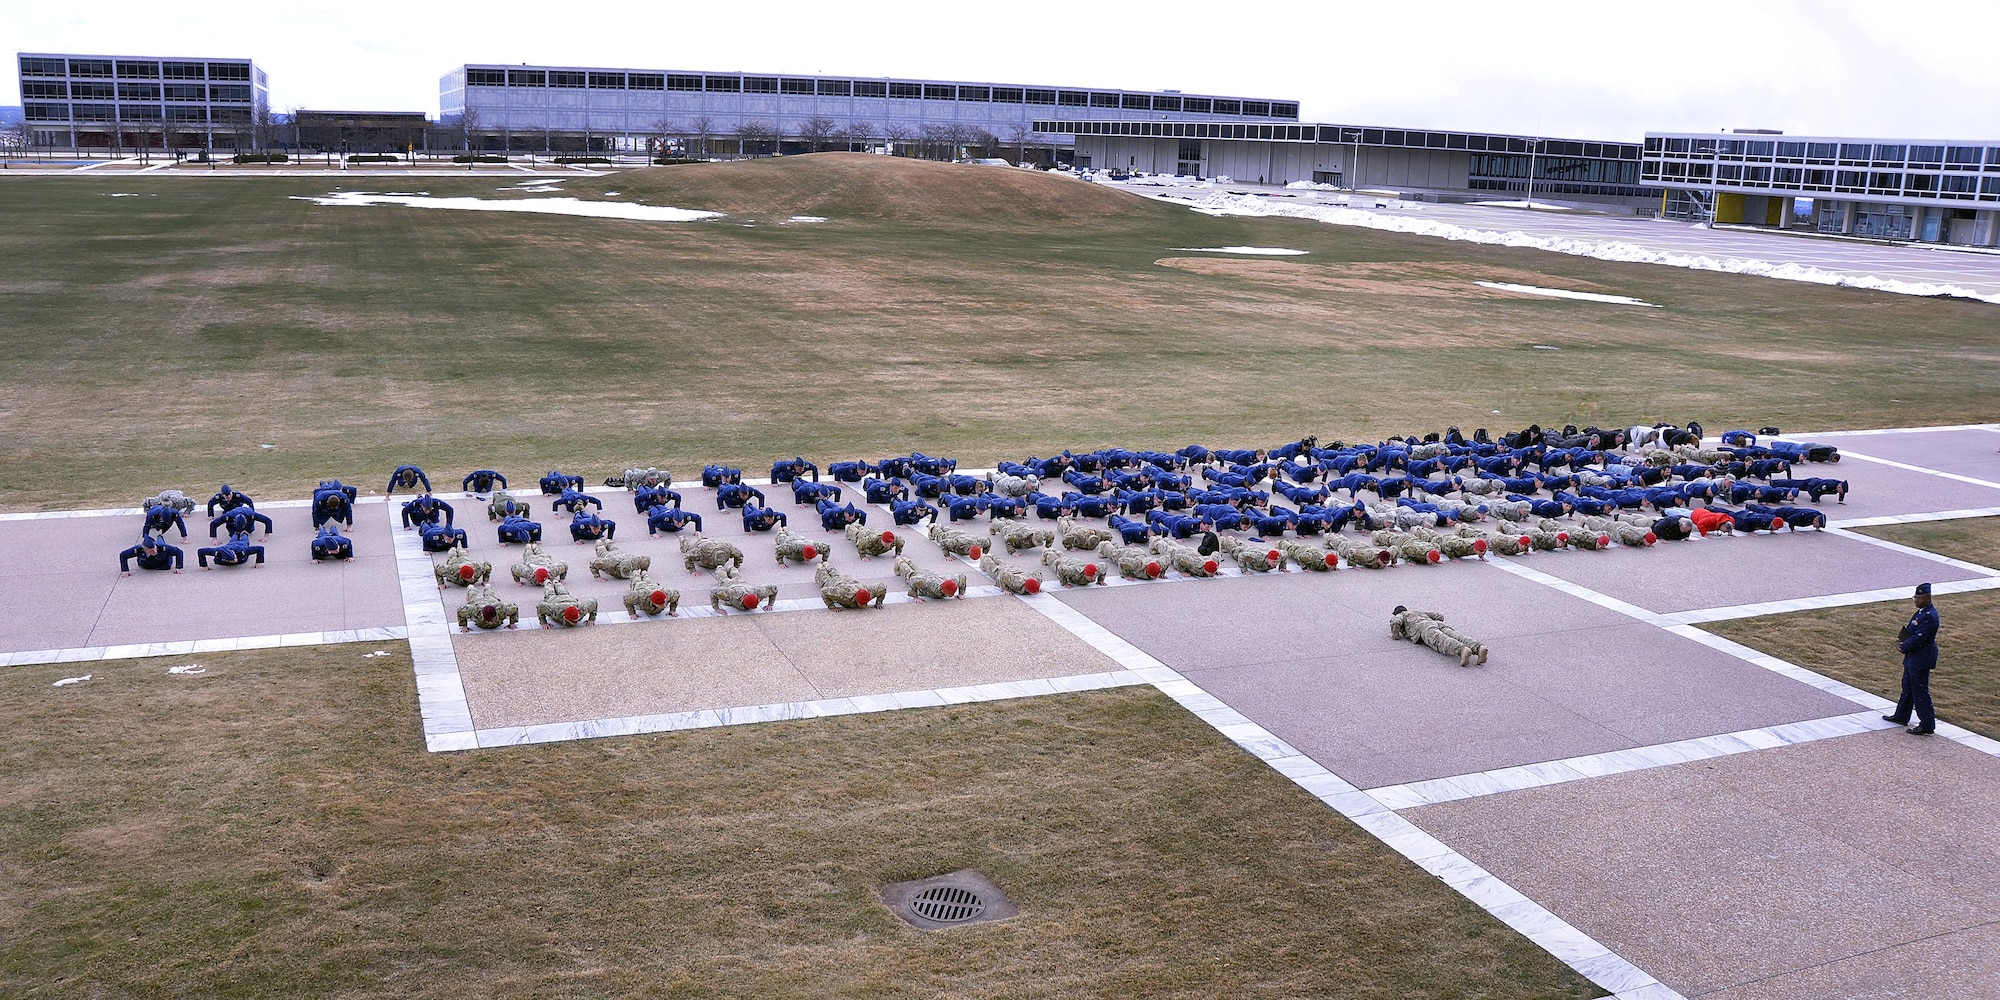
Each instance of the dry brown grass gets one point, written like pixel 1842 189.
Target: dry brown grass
pixel 1858 645
pixel 274 828
pixel 1973 539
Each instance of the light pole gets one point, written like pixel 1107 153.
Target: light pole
pixel 1533 146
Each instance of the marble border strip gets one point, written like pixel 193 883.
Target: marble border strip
pixel 1940 515
pixel 1907 467
pixel 822 708
pixel 1558 937
pixel 1883 543
pixel 187 647
pixel 1432 791
pixel 1826 601
pixel 441 702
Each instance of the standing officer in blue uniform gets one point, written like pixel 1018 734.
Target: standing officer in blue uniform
pixel 1918 640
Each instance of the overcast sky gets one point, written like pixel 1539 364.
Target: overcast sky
pixel 1609 69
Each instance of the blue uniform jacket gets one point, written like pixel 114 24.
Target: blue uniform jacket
pixel 1919 640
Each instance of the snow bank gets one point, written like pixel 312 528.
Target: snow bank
pixel 807 218
pixel 1227 204
pixel 1564 293
pixel 543 206
pixel 188 669
pixel 67 681
pixel 1255 251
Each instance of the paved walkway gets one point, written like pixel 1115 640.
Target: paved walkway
pixel 1647 801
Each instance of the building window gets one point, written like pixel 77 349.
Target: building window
pixel 1819 178
pixel 723 84
pixel 88 91
pixel 45 112
pixel 1789 175
pixel 1927 155
pixel 676 81
pixel 906 91
pixel 1853 180
pixel 1959 183
pixel 485 77
pixel 1285 110
pixel 607 81
pixel 870 88
pixel 91 112
pixel 1164 103
pixel 1989 185
pixel 1757 175
pixel 229 71
pixel 1008 95
pixel 230 92
pixel 527 78
pixel 1225 107
pixel 1260 109
pixel 940 92
pixel 1792 150
pixel 1854 151
pixel 760 84
pixel 132 69
pixel 1073 98
pixel 1103 100
pixel 41 67
pixel 90 67
pixel 1197 105
pixel 973 93
pixel 57 91
pixel 791 85
pixel 1761 148
pixel 186 92
pixel 1891 183
pixel 835 88
pixel 1920 183
pixel 1888 153
pixel 151 113
pixel 1967 155
pixel 1729 172
pixel 646 81
pixel 180 114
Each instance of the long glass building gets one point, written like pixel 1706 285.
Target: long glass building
pixel 1926 190
pixel 138 102
pixel 581 107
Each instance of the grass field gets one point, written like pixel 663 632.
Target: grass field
pixel 1858 645
pixel 166 339
pixel 273 827
pixel 1973 539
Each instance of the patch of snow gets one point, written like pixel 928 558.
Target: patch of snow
pixel 1311 186
pixel 542 206
pixel 1564 293
pixel 1541 206
pixel 121 194
pixel 188 669
pixel 1252 251
pixel 1226 204
pixel 1541 347
pixel 379 652
pixel 807 218
pixel 67 681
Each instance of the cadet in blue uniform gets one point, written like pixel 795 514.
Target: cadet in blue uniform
pixel 333 501
pixel 239 521
pixel 441 537
pixel 426 509
pixel 515 528
pixel 152 554
pixel 557 481
pixel 228 500
pixel 407 476
pixel 162 516
pixel 1918 641
pixel 482 481
pixel 234 552
pixel 331 544
pixel 587 527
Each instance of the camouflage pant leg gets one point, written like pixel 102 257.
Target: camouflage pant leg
pixel 1444 639
pixel 1464 641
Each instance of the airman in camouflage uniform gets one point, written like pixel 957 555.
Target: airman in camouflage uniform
pixel 1623 533
pixel 708 553
pixel 617 563
pixel 1185 559
pixel 559 607
pixel 1454 545
pixel 1135 562
pixel 870 543
pixel 924 583
pixel 458 568
pixel 503 505
pixel 536 567
pixel 647 597
pixel 1308 555
pixel 1083 536
pixel 794 546
pixel 171 498
pixel 1018 535
pixel 486 610
pixel 1501 540
pixel 1011 579
pixel 1253 558
pixel 636 479
pixel 838 590
pixel 952 540
pixel 1428 627
pixel 731 589
pixel 1071 571
pixel 1013 486
pixel 1590 540
pixel 1362 555
pixel 1407 547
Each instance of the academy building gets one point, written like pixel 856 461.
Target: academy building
pixel 138 102
pixel 602 109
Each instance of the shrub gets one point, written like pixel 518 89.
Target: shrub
pixel 375 158
pixel 478 158
pixel 259 158
pixel 668 161
pixel 583 159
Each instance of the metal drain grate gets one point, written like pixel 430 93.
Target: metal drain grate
pixel 954 900
pixel 948 904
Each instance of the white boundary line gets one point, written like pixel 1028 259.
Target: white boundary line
pixel 85 654
pixel 1705 615
pixel 441 698
pixel 1941 515
pixel 1883 543
pixel 1989 484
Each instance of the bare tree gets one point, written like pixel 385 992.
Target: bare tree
pixel 662 132
pixel 816 131
pixel 897 133
pixel 751 133
pixel 1017 137
pixel 13 140
pixel 466 127
pixel 702 126
pixel 858 133
pixel 263 133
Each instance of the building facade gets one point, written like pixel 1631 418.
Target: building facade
pixel 141 102
pixel 577 107
pixel 1419 162
pixel 359 131
pixel 1926 190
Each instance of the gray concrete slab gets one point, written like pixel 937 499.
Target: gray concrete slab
pixel 1784 882
pixel 1877 489
pixel 1308 656
pixel 1974 453
pixel 1722 571
pixel 72 594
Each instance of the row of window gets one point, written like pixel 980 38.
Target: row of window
pixel 1554 169
pixel 1845 181
pixel 1561 187
pixel 587 79
pixel 127 113
pixel 134 69
pixel 1348 135
pixel 1855 153
pixel 32 90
